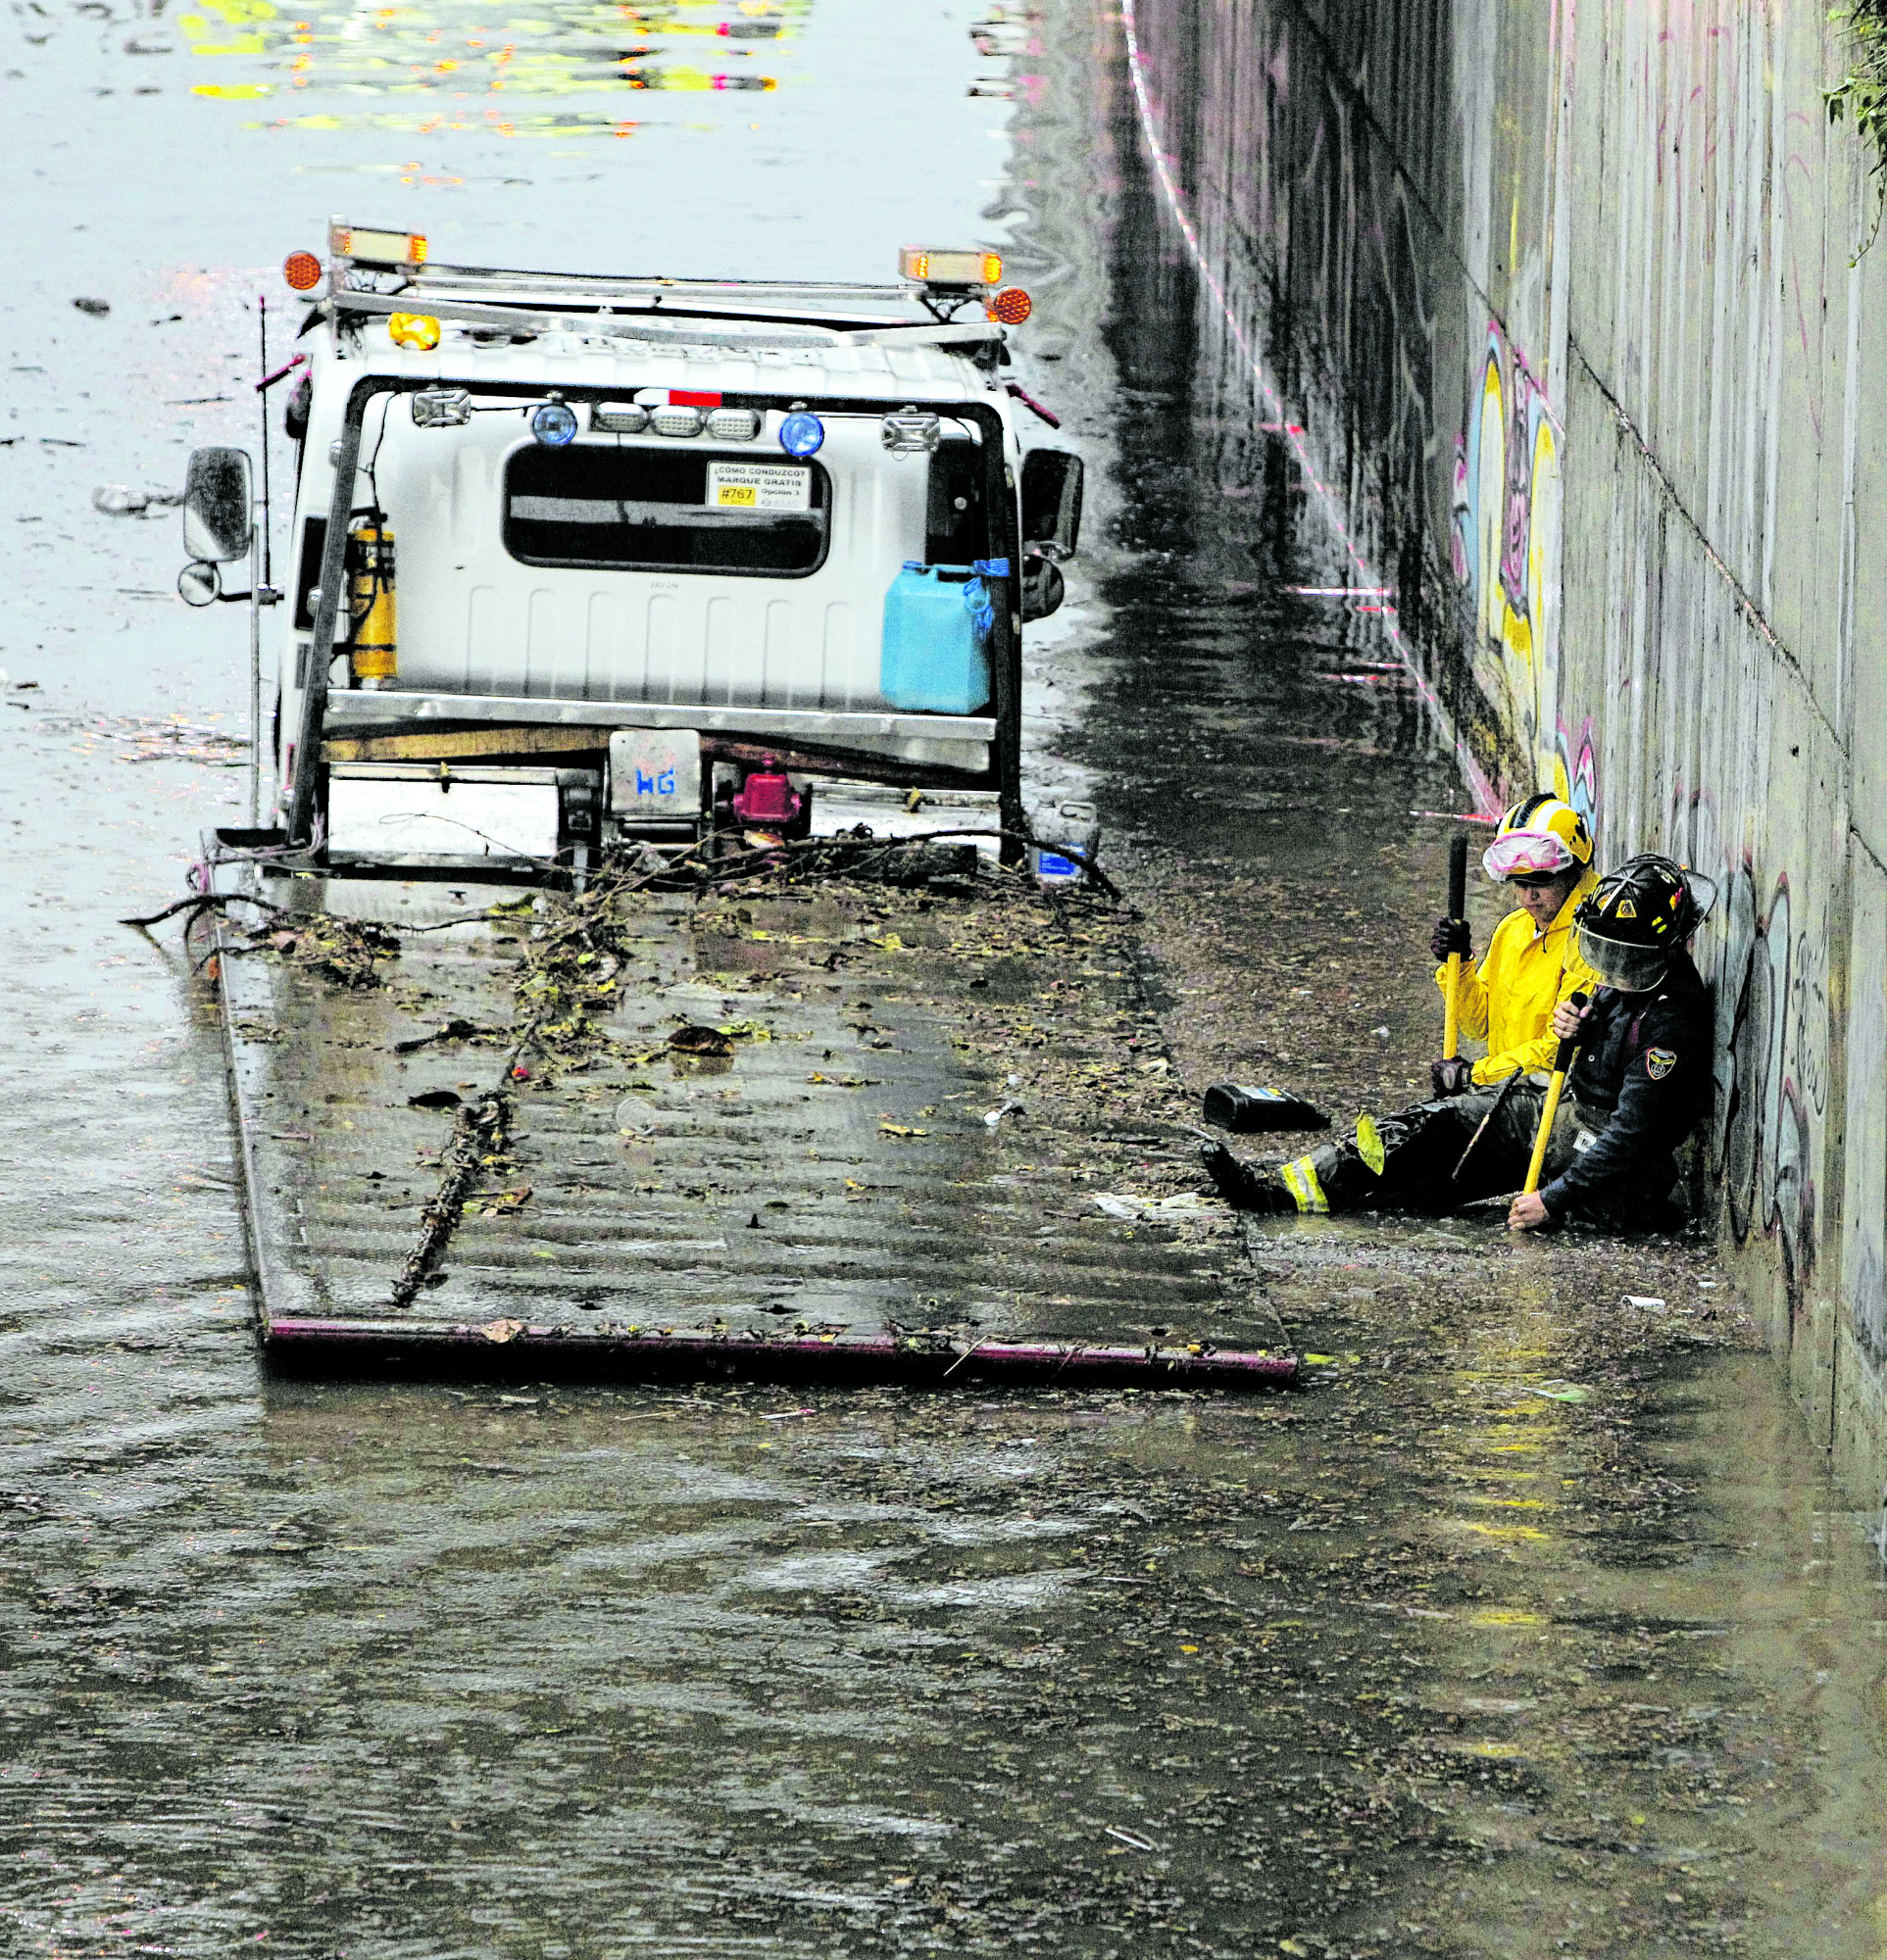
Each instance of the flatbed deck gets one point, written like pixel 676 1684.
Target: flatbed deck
pixel 829 1193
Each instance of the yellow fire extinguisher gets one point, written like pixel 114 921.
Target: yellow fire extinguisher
pixel 374 650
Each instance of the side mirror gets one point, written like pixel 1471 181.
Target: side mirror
pixel 218 521
pixel 1043 587
pixel 1050 503
pixel 199 583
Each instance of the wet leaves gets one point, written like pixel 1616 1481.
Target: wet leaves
pixel 348 951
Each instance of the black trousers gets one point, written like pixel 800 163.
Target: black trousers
pixel 1407 1162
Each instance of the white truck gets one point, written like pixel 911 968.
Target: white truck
pixel 577 560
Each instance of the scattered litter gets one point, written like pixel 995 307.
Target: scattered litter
pixel 1645 1302
pixel 120 499
pixel 890 1129
pixel 1240 1107
pixel 1132 1838
pixel 1183 1205
pixel 168 740
pixel 700 1041
pixel 455 1029
pixel 434 1098
pixel 98 309
pixel 501 1331
pixel 786 1415
pixel 1010 1108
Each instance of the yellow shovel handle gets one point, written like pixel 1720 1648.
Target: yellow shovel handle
pixel 1548 1110
pixel 1451 1027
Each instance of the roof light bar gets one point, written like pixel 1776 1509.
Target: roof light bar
pixel 950 269
pixel 406 249
pixel 619 417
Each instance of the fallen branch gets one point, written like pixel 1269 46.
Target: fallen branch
pixel 199 902
pixel 477 1130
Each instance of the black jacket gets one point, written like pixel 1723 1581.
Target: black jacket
pixel 1642 1078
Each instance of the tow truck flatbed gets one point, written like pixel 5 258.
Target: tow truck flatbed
pixel 827 1197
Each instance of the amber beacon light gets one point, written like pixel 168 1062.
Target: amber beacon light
pixel 417 331
pixel 302 270
pixel 1011 306
pixel 950 269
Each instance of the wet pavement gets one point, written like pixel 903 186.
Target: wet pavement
pixel 1532 1627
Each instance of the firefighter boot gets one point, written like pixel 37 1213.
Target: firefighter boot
pixel 1240 1185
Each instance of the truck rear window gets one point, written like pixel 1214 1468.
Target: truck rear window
pixel 645 508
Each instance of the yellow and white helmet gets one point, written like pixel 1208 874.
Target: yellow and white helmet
pixel 1538 836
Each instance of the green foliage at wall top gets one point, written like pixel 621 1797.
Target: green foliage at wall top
pixel 1860 95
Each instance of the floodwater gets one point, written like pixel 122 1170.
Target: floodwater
pixel 1532 1628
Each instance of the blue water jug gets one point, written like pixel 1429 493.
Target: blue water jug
pixel 937 625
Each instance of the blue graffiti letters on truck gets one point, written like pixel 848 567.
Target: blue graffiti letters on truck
pixel 662 785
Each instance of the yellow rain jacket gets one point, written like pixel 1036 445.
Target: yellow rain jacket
pixel 1508 998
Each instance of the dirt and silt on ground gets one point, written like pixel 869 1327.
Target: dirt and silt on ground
pixel 1431 1655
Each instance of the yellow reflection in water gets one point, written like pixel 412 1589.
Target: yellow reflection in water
pixel 467 61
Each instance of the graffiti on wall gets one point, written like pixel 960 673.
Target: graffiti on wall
pixel 1575 769
pixel 1769 976
pixel 1506 542
pixel 1772 1072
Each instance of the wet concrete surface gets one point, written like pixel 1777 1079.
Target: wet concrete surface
pixel 1531 1627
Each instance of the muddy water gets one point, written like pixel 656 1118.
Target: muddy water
pixel 1530 1628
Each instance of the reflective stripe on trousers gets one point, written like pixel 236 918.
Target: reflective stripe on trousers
pixel 1301 1181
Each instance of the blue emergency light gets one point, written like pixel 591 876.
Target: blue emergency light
pixel 552 424
pixel 801 433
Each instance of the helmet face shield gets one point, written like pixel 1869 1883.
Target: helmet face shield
pixel 1631 969
pixel 1526 854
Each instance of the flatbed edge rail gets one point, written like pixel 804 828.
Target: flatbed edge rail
pixel 509 1346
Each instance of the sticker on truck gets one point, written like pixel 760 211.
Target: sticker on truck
pixel 758 486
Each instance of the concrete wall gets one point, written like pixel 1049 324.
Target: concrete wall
pixel 1552 308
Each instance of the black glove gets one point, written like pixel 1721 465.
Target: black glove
pixel 1451 935
pixel 1454 1077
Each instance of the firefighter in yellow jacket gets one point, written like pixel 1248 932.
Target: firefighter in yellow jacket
pixel 1411 1161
